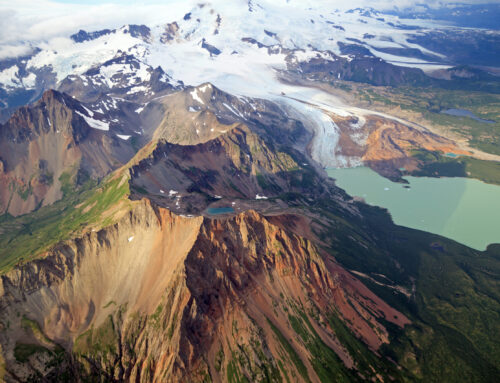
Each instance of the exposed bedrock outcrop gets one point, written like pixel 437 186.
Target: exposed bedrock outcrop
pixel 160 297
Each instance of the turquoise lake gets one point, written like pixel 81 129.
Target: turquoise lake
pixel 463 209
pixel 220 210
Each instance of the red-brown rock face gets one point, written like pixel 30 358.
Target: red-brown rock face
pixel 159 297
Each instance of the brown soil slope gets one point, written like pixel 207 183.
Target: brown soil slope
pixel 41 143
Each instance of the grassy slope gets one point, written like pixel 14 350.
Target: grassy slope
pixel 23 238
pixel 436 165
pixel 456 308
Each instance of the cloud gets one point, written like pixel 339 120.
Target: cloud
pixel 37 21
pixel 9 51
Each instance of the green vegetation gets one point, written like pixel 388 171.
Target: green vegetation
pixel 234 375
pixel 23 351
pixel 325 361
pixel 109 304
pixel 456 305
pixel 219 359
pixel 25 192
pixel 262 181
pixel 46 177
pixel 292 354
pixel 366 361
pixel 98 341
pixel 454 310
pixel 434 164
pixel 250 361
pixel 134 142
pixel 156 316
pixel 25 237
pixel 303 178
pixel 34 327
pixel 171 329
pixel 67 184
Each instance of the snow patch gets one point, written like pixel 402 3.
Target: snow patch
pixel 196 97
pixel 29 81
pixel 137 89
pixel 205 87
pixel 93 123
pixel 90 113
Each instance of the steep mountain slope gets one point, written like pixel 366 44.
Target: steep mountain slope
pixel 367 46
pixel 207 298
pixel 47 147
pixel 237 164
pixel 153 296
pixel 198 114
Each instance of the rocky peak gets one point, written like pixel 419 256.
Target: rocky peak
pixel 138 31
pixel 52 113
pixel 171 32
pixel 82 36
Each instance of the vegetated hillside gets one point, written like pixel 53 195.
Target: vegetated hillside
pixel 114 266
pixel 107 283
pixel 426 106
pixel 142 294
pixel 237 164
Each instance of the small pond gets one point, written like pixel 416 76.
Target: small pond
pixel 220 210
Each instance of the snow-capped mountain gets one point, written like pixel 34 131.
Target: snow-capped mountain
pixel 224 43
pixel 241 49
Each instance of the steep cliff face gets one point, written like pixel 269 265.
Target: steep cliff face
pixel 123 269
pixel 159 297
pixel 48 146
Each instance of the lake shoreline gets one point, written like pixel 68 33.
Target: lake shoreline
pixel 461 209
